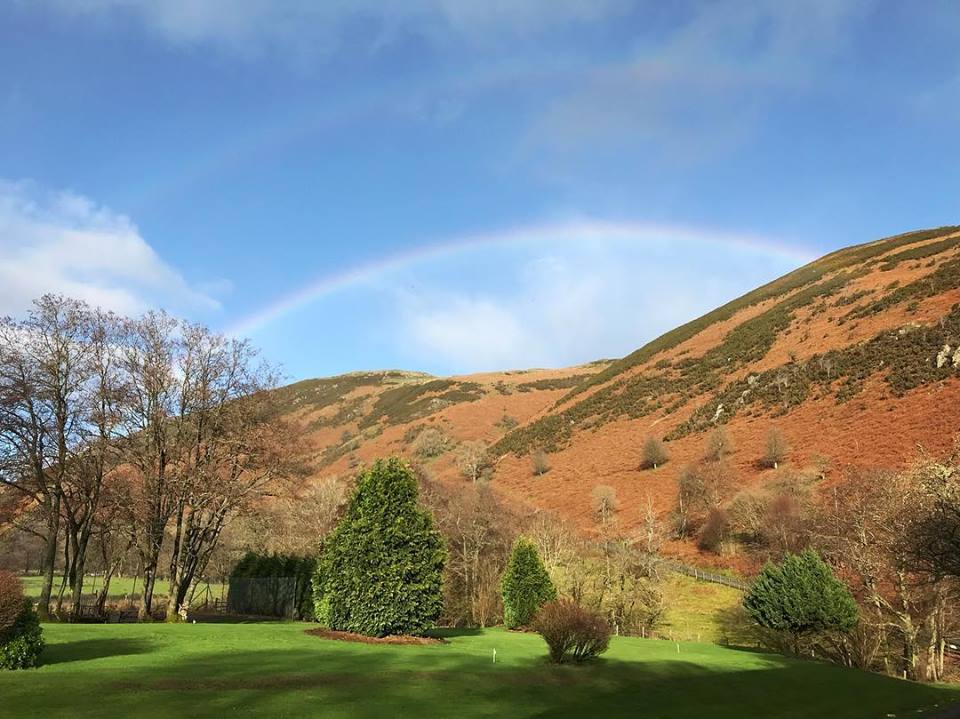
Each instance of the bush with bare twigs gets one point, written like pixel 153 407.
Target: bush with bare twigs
pixel 571 632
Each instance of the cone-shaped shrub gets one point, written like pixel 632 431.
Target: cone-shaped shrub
pixel 800 596
pixel 526 585
pixel 380 571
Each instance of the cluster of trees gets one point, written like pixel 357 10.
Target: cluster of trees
pixel 892 537
pixel 119 435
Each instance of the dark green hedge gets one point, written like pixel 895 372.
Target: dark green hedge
pixel 272 585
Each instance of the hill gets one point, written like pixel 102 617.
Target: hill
pixel 854 358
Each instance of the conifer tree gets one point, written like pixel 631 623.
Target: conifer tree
pixel 380 571
pixel 526 585
pixel 799 597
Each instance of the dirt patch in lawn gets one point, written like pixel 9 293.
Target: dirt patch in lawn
pixel 363 639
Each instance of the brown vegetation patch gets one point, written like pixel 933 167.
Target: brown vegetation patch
pixel 364 639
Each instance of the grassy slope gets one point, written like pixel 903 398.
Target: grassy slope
pixel 275 670
pixel 704 612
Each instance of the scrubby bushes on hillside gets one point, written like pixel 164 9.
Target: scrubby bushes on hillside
pixel 571 632
pixel 21 639
pixel 381 569
pixel 526 585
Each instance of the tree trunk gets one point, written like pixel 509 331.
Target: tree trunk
pixel 49 558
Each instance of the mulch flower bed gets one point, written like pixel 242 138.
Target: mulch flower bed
pixel 363 639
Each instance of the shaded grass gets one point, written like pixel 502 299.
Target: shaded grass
pixel 277 670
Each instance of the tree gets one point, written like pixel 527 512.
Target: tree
pixel 473 460
pixel 800 597
pixel 775 448
pixel 604 503
pixel 934 534
pixel 539 462
pixel 381 569
pixel 526 585
pixel 654 453
pixel 479 530
pixel 44 367
pixel 866 525
pixel 718 445
pixel 701 488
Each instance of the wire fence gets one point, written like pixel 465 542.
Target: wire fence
pixel 705 576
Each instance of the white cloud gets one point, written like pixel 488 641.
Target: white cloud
pixel 570 302
pixel 64 243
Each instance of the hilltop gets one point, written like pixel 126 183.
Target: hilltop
pixel 854 358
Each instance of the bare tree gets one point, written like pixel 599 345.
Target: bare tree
pixel 865 528
pixel 473 460
pixel 43 370
pixel 718 445
pixel 604 503
pixel 654 453
pixel 775 448
pixel 233 450
pixel 539 462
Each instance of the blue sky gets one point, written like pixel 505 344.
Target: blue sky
pixel 457 185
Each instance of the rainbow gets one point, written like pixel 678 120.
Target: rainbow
pixel 578 230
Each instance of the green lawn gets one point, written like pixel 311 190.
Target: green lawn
pixel 119 587
pixel 276 670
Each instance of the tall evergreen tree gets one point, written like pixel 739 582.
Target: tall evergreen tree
pixel 799 597
pixel 380 571
pixel 526 585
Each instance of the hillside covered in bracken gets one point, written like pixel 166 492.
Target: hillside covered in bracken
pixel 852 361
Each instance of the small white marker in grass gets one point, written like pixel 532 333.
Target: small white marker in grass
pixel 678 647
pixel 494 656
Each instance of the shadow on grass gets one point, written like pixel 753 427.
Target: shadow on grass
pixel 87 649
pixel 358 681
pixel 218 618
pixel 450 633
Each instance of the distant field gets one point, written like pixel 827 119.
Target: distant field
pixel 276 670
pixel 703 612
pixel 120 587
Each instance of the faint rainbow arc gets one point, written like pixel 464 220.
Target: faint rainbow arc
pixel 589 230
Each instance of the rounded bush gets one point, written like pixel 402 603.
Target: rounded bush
pixel 571 632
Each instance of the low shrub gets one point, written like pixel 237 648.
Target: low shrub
pixel 571 632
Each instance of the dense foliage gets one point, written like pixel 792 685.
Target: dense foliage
pixel 11 600
pixel 381 569
pixel 526 585
pixel 276 585
pixel 571 632
pixel 799 597
pixel 21 639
